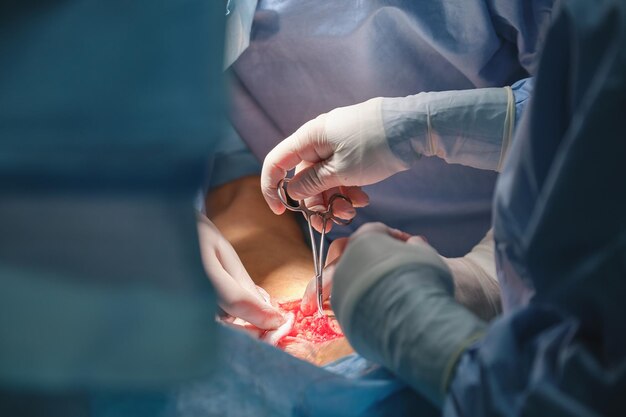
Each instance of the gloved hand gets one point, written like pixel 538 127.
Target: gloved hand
pixel 395 303
pixel 308 304
pixel 345 147
pixel 475 281
pixel 238 295
pixel 474 275
pixel 365 143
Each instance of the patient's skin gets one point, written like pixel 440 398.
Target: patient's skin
pixel 271 248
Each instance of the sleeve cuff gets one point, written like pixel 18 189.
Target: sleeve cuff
pixel 371 257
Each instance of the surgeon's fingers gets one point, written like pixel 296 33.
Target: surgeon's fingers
pixel 308 143
pixel 342 208
pixel 248 307
pixel 274 336
pixel 314 180
pixel 417 240
pixel 308 305
pixel 253 331
pixel 309 299
pixel 358 197
pixel 317 203
pixel 320 203
pixel 317 222
pixel 239 301
pixel 377 227
pixel 343 205
pixel 229 260
pixel 264 294
pixel 336 249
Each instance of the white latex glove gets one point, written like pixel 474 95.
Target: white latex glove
pixel 395 303
pixel 475 280
pixel 345 147
pixel 368 142
pixel 238 295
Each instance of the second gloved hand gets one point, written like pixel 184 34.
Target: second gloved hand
pixel 238 295
pixel 395 303
pixel 475 282
pixel 335 250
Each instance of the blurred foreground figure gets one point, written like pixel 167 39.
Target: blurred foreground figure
pixel 107 113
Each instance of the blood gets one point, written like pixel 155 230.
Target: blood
pixel 314 329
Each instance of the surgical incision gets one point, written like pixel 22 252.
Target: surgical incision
pixel 312 329
pixel 317 339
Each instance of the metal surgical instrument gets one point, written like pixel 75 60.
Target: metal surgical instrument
pixel 325 216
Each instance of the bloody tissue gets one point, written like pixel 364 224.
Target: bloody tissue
pixel 314 329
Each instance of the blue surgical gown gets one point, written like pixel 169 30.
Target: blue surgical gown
pixel 559 228
pixel 306 58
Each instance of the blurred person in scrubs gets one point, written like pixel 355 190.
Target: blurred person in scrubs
pixel 108 111
pixel 559 348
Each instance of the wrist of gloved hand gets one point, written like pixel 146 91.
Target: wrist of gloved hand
pixel 359 130
pixel 475 281
pixel 395 304
pixel 468 127
pixel 370 257
pixel 238 294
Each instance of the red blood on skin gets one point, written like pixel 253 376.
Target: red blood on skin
pixel 314 329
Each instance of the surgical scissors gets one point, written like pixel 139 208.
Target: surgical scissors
pixel 325 216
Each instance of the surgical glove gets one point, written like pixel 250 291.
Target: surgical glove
pixel 238 295
pixel 308 305
pixel 346 147
pixel 365 143
pixel 395 302
pixel 475 281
